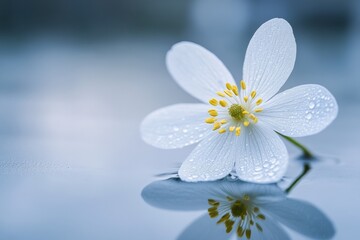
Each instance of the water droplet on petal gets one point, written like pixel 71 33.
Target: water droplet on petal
pixel 311 105
pixel 308 116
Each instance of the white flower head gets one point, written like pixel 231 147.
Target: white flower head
pixel 237 125
pixel 247 210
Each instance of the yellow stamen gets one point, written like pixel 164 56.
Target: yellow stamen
pixel 223 103
pixel 217 125
pixel 248 233
pixel 258 110
pixel 229 93
pixel 252 116
pixel 223 121
pixel 221 94
pixel 235 90
pixel 213 102
pixel 238 131
pixel 245 112
pixel 213 112
pixel 224 218
pixel 228 86
pixel 246 123
pixel 229 198
pixel 246 98
pixel 223 130
pixel 243 85
pixel 232 128
pixel 259 101
pixel 210 120
pixel 253 94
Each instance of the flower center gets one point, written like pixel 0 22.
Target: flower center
pixel 241 213
pixel 236 112
pixel 234 109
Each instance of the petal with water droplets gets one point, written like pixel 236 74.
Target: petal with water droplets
pixel 261 156
pixel 176 126
pixel 197 70
pixel 270 58
pixel 212 159
pixel 300 111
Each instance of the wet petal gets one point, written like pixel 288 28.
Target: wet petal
pixel 270 58
pixel 261 156
pixel 176 126
pixel 197 71
pixel 301 111
pixel 175 194
pixel 212 159
pixel 270 230
pixel 204 228
pixel 302 217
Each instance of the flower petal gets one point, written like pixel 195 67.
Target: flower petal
pixel 197 71
pixel 204 228
pixel 270 58
pixel 212 159
pixel 175 126
pixel 175 194
pixel 302 217
pixel 270 230
pixel 261 155
pixel 300 111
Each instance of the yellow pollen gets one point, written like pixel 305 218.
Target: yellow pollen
pixel 223 121
pixel 228 86
pixel 213 102
pixel 235 90
pixel 243 85
pixel 238 131
pixel 246 123
pixel 248 233
pixel 210 120
pixel 221 94
pixel 223 103
pixel 213 112
pixel 229 198
pixel 259 101
pixel 224 218
pixel 246 98
pixel 217 125
pixel 253 94
pixel 229 93
pixel 258 110
pixel 232 128
pixel 223 130
pixel 245 112
pixel 252 116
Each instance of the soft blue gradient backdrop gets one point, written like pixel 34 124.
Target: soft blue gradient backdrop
pixel 77 78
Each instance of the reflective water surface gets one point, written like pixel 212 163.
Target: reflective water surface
pixel 73 166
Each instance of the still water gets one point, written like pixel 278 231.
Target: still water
pixel 73 166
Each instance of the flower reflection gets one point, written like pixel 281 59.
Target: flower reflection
pixel 237 209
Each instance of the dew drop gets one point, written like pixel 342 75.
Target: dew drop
pixel 185 130
pixel 311 105
pixel 176 129
pixel 308 116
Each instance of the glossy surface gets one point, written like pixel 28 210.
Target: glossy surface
pixel 72 161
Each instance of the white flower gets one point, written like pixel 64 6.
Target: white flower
pixel 248 210
pixel 242 123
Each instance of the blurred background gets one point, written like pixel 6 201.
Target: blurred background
pixel 77 78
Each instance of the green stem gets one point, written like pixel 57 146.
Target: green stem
pixel 306 152
pixel 306 169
